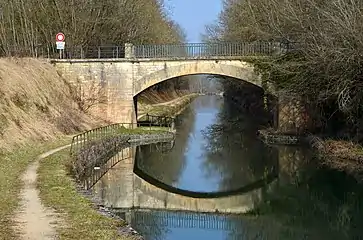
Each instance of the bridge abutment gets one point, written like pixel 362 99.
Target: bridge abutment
pixel 294 116
pixel 105 89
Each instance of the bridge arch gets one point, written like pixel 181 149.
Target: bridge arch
pixel 231 68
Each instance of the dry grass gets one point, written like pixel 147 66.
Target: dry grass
pixel 154 97
pixel 344 155
pixel 170 108
pixel 344 149
pixel 35 103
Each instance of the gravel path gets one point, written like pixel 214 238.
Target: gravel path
pixel 35 221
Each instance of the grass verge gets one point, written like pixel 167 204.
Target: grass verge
pixel 12 165
pixel 146 130
pixel 80 219
pixel 168 110
pixel 111 132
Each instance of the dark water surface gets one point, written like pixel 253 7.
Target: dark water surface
pixel 218 165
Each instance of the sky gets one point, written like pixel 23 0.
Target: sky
pixel 193 15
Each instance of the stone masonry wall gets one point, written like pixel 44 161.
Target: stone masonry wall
pixel 116 83
pixel 293 115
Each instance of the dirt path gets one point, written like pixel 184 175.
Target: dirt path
pixel 35 221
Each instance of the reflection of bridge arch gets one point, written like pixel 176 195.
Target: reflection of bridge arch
pixel 250 187
pixel 121 188
pixel 238 201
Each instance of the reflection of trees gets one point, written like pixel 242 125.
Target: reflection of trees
pixel 233 148
pixel 167 166
pixel 307 203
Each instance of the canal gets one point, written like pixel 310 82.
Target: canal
pixel 217 180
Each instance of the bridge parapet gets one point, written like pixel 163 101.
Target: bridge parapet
pixel 222 50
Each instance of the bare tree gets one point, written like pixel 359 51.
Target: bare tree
pixel 329 37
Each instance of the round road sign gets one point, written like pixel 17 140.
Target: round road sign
pixel 60 37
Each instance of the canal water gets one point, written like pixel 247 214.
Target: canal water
pixel 217 180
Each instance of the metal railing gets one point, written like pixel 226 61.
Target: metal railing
pixel 207 50
pixel 115 154
pixel 95 52
pixel 84 139
pixel 163 51
pixel 99 145
pixel 34 51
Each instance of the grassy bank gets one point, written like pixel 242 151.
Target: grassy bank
pixel 81 219
pixel 58 191
pixel 97 135
pixel 12 165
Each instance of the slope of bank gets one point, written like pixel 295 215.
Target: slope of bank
pixel 341 155
pixel 152 96
pixel 170 108
pixel 35 104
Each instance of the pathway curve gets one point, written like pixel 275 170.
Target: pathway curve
pixel 35 221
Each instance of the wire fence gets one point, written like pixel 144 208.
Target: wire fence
pixel 164 51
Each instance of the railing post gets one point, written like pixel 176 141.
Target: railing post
pixel 99 52
pixel 129 51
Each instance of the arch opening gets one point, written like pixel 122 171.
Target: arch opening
pixel 232 69
pixel 249 95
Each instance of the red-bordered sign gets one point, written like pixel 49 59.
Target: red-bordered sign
pixel 60 37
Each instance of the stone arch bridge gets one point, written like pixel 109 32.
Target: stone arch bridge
pixel 119 79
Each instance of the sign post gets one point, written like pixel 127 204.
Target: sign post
pixel 60 44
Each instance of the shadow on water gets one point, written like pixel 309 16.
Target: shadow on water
pixel 216 152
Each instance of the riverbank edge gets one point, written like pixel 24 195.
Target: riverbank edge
pixel 171 108
pixel 338 154
pixel 47 195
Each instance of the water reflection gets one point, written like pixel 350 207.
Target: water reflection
pixel 152 210
pixel 208 160
pixel 121 188
pixel 304 201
